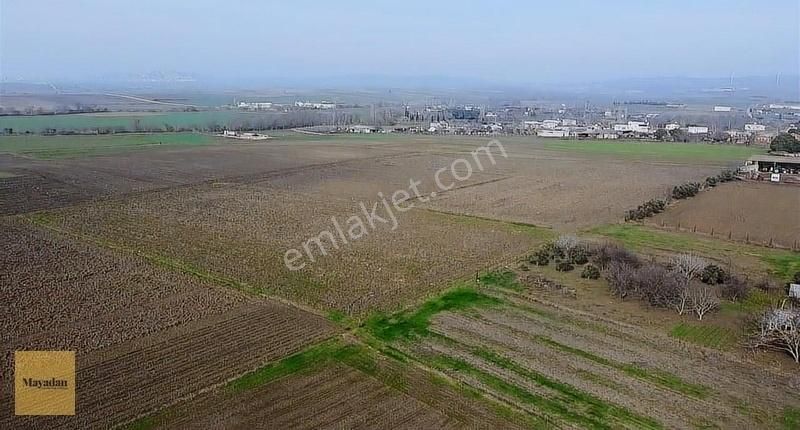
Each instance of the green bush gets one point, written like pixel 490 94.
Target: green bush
pixel 590 271
pixel 578 255
pixel 689 189
pixel 712 275
pixel 726 176
pixel 564 266
pixel 648 209
pixel 540 258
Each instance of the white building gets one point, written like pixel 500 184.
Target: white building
pixel 311 105
pixel 361 129
pixel 755 127
pixel 697 129
pixel 672 126
pixel 550 124
pixel 569 122
pixel 553 133
pixel 722 108
pixel 254 105
pixel 633 126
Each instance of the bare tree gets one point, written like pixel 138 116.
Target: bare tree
pixel 703 299
pixel 680 300
pixel 567 242
pixel 779 329
pixel 689 266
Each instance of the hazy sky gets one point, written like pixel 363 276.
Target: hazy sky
pixel 511 41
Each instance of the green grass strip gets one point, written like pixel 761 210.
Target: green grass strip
pixel 595 407
pixel 705 335
pixel 311 358
pixel 413 324
pixel 562 408
pixel 791 418
pixel 780 262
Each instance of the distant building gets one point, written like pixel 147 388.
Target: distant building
pixel 312 105
pixel 672 126
pixel 755 127
pixel 569 122
pixel 722 108
pixel 697 129
pixel 633 126
pixel 778 106
pixel 550 124
pixel 361 129
pixel 254 105
pixel 552 133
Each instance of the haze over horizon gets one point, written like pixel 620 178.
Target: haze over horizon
pixel 505 42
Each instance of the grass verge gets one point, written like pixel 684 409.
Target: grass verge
pixel 781 263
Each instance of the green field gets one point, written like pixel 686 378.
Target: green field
pixel 50 147
pixel 129 121
pixel 781 263
pixel 659 151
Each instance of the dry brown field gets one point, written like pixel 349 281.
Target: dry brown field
pixel 756 212
pixel 336 396
pixel 164 269
pixel 144 336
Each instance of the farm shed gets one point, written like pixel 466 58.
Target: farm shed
pixel 783 165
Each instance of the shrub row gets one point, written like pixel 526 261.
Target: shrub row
pixel 689 189
pixel 648 209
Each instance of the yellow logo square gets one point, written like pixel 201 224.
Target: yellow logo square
pixel 44 382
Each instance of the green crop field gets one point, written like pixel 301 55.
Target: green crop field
pixel 129 121
pixel 658 151
pixel 49 147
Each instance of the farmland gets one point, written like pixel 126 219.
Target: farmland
pixel 750 212
pixel 49 147
pixel 163 266
pixel 126 318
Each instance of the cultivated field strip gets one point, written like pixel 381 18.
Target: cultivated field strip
pixel 120 385
pixel 334 397
pixel 570 369
pixel 604 382
pixel 336 384
pixel 725 374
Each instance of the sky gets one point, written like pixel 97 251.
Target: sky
pixel 497 41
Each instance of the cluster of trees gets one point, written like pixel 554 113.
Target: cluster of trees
pixel 687 284
pixel 787 142
pixel 566 252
